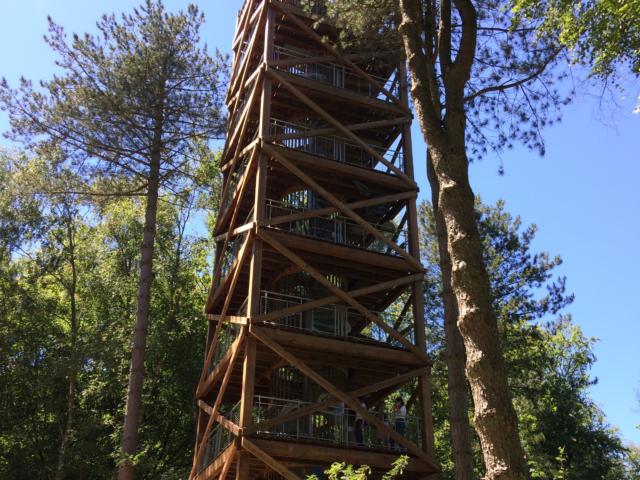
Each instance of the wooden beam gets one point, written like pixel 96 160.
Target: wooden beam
pixel 329 210
pixel 311 33
pixel 234 281
pixel 353 127
pixel 311 163
pixel 225 422
pixel 228 463
pixel 236 231
pixel 218 402
pixel 233 208
pixel 229 318
pixel 349 212
pixel 268 460
pixel 340 348
pixel 211 379
pixel 239 79
pixel 323 113
pixel 333 298
pixel 351 402
pixel 324 454
pixel 216 466
pixel 341 294
pixel 302 411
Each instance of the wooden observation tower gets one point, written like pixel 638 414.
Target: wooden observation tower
pixel 316 309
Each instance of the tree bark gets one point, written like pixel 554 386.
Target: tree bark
pixel 74 361
pixel 495 418
pixel 454 349
pixel 136 373
pixel 444 131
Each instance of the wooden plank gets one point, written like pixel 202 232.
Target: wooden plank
pixel 218 402
pixel 365 258
pixel 311 33
pixel 229 318
pixel 232 286
pixel 320 111
pixel 324 454
pixel 228 463
pixel 215 467
pixel 312 163
pixel 342 207
pixel 341 294
pixel 328 211
pixel 308 409
pixel 268 460
pixel 333 298
pixel 354 127
pixel 351 402
pixel 340 348
pixel 211 379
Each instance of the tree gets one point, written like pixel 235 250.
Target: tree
pixel 602 34
pixel 479 81
pixel 548 362
pixel 43 353
pixel 458 402
pixel 129 111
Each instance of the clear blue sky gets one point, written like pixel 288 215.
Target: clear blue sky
pixel 583 194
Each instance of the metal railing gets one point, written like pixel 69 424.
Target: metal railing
pixel 233 180
pixel 334 425
pixel 334 147
pixel 219 438
pixel 337 229
pixel 331 320
pixel 229 257
pixel 334 74
pixel 228 334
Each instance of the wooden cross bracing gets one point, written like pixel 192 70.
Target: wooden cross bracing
pixel 281 120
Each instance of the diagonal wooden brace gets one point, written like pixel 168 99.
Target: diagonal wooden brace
pixel 342 294
pixel 342 207
pixel 351 402
pixel 268 459
pixel 344 130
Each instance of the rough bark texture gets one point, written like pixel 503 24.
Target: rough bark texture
pixel 455 354
pixel 495 419
pixel 136 373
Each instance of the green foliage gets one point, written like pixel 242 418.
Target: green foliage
pixel 342 471
pixel 602 34
pixel 36 348
pixel 563 432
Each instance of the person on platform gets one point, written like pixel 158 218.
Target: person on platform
pixel 359 427
pixel 399 418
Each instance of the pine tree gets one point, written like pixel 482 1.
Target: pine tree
pixel 129 112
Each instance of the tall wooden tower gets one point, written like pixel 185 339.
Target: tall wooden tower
pixel 316 309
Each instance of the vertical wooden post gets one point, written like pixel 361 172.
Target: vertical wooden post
pixel 253 304
pixel 424 382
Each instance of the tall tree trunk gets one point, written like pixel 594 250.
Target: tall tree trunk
pixel 495 418
pixel 455 354
pixel 443 127
pixel 136 373
pixel 74 361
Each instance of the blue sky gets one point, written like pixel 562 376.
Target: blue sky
pixel 583 194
